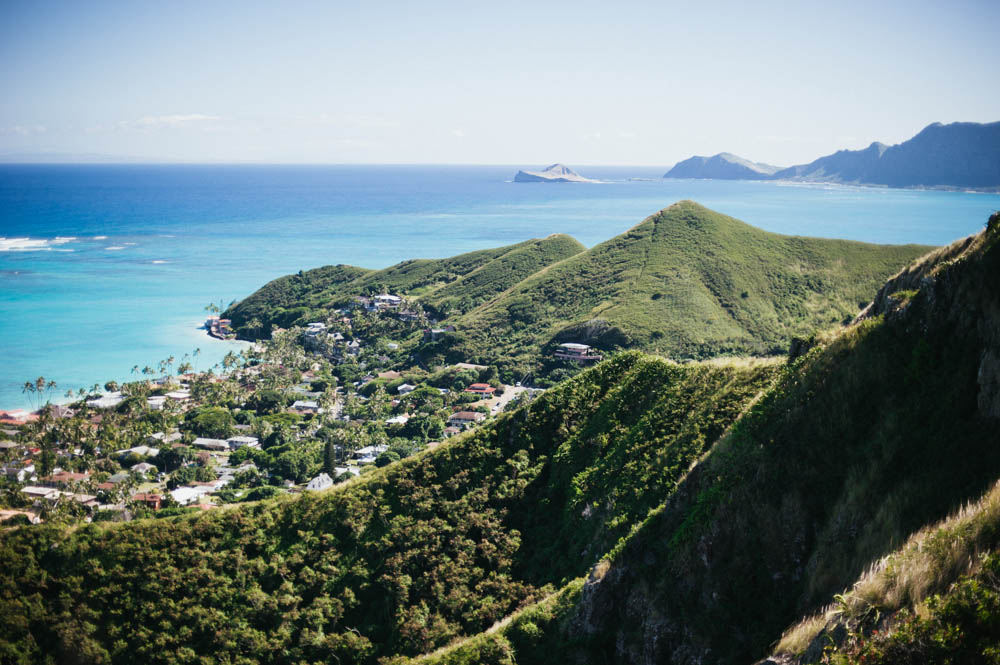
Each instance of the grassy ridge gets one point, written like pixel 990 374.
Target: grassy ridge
pixel 457 282
pixel 397 562
pixel 877 431
pixel 687 282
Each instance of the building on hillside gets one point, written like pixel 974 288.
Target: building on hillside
pixel 320 482
pixel 386 301
pixel 143 467
pixel 405 388
pixel 305 406
pixel 481 389
pixel 462 418
pixel 580 353
pixel 434 334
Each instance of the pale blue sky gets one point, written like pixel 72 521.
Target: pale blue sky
pixel 490 83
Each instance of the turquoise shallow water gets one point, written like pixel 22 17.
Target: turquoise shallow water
pixel 107 267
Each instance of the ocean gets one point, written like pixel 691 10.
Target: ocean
pixel 108 267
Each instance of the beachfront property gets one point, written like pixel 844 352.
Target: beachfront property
pixel 220 328
pixel 580 353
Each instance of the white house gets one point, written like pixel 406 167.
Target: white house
pixel 211 444
pixel 405 388
pixel 186 495
pixel 106 401
pixel 236 442
pixel 320 482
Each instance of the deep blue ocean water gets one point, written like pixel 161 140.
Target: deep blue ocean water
pixel 105 267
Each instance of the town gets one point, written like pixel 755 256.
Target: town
pixel 309 408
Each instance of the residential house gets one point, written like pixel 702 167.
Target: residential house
pixel 462 418
pixel 320 482
pixel 106 401
pixel 305 406
pixel 237 442
pixel 142 451
pixel 151 501
pixel 211 444
pixel 580 353
pixel 405 388
pixel 481 389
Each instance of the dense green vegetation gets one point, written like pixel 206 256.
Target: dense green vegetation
pixel 643 511
pixel 452 284
pixel 686 282
pixel 872 434
pixel 401 560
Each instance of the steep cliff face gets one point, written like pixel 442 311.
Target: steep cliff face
pixel 873 434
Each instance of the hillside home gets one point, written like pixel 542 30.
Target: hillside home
pixel 320 482
pixel 481 389
pixel 143 467
pixel 156 402
pixel 580 353
pixel 305 406
pixel 405 388
pixel 462 418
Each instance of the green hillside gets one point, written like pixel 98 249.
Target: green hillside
pixel 454 284
pixel 879 430
pixel 687 282
pixel 643 511
pixel 400 561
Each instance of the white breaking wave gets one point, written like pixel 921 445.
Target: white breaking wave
pixel 100 237
pixel 32 244
pixel 159 261
pixel 115 247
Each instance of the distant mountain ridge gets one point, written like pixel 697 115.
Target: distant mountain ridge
pixel 959 155
pixel 724 166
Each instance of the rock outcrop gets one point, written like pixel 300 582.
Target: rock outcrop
pixel 554 173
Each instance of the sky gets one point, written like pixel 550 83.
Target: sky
pixel 521 83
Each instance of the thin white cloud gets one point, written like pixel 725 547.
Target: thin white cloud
pixel 355 121
pixel 627 136
pixel 593 136
pixel 172 121
pixel 23 130
pixel 459 133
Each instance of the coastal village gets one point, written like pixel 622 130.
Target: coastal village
pixel 310 408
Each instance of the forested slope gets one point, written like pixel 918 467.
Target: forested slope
pixel 399 561
pixel 879 430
